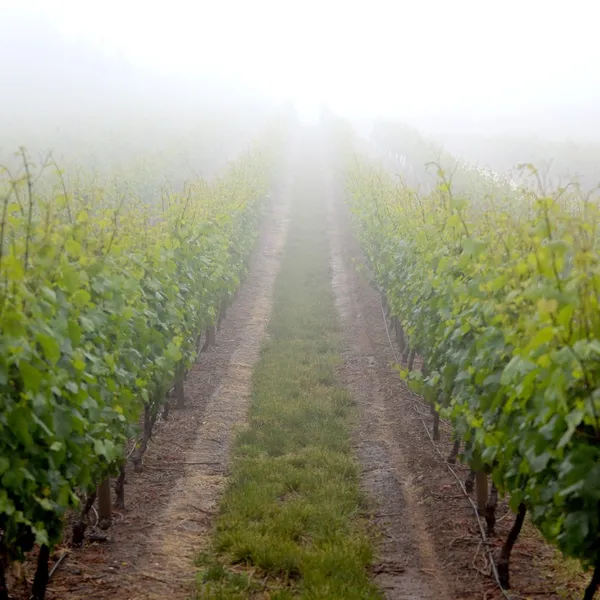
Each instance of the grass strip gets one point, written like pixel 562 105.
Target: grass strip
pixel 290 523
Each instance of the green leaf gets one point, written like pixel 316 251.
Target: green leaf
pixel 18 422
pixel 4 465
pixel 72 387
pixel 543 336
pixel 51 348
pixel 32 377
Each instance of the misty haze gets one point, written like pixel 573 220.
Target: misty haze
pixel 299 300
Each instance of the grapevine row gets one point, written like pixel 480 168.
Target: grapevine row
pixel 499 297
pixel 103 298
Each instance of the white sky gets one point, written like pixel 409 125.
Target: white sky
pixel 362 57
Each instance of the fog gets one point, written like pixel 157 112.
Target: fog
pixel 496 82
pixel 71 94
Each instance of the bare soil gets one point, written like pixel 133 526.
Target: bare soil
pixel 430 545
pixel 170 505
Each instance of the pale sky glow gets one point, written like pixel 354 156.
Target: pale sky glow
pixel 376 57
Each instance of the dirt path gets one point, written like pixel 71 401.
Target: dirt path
pixel 152 546
pixel 408 568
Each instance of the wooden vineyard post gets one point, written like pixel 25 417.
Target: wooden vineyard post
pixel 104 504
pixel 210 338
pixel 399 335
pixel 179 393
pixel 470 481
pixel 222 314
pixel 178 389
pixel 436 423
pixel 166 409
pixel 454 452
pixel 490 510
pixel 120 488
pixel 384 305
pixel 411 359
pixel 481 485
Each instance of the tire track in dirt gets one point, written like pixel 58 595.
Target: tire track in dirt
pixel 171 504
pixel 407 567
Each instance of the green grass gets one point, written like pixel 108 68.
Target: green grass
pixel 291 523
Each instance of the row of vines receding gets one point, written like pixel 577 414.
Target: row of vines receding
pixel 104 297
pixel 498 297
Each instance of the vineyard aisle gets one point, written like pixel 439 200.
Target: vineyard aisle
pixel 170 506
pixel 293 522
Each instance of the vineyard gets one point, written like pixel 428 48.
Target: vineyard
pixel 303 471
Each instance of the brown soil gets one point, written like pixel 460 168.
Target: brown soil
pixel 169 507
pixel 430 544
